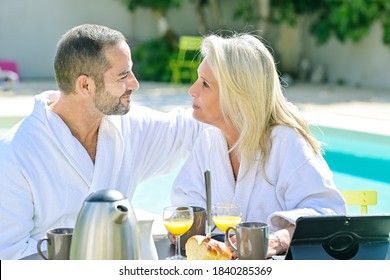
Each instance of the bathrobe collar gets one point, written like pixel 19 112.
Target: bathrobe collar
pixel 110 146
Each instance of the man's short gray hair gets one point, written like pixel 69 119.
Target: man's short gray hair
pixel 81 51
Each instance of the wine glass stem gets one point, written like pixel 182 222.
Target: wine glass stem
pixel 178 252
pixel 208 231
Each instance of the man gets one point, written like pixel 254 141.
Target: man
pixel 82 139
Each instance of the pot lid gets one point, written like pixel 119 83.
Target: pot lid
pixel 105 196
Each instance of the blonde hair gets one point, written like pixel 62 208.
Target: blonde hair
pixel 251 96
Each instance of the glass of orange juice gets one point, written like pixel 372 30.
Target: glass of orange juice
pixel 178 220
pixel 225 215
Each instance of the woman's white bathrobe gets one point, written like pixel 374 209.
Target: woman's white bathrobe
pixel 301 182
pixel 45 173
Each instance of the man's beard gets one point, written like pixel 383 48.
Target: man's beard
pixel 108 104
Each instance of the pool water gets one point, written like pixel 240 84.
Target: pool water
pixel 351 152
pixel 359 161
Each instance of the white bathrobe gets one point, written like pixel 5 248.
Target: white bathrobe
pixel 300 182
pixel 45 173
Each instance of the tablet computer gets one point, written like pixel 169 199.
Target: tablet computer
pixel 363 237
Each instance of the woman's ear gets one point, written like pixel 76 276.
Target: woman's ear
pixel 85 85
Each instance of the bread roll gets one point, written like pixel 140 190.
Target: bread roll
pixel 199 247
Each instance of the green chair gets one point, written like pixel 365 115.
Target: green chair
pixel 185 65
pixel 362 198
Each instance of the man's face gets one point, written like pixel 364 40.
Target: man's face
pixel 119 82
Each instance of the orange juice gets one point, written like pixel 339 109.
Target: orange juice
pixel 178 226
pixel 223 222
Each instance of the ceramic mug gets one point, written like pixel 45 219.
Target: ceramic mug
pixel 252 240
pixel 197 228
pixel 58 244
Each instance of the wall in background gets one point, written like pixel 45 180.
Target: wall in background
pixel 29 32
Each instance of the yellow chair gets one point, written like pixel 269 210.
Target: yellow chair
pixel 185 65
pixel 363 199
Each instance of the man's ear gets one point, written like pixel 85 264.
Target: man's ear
pixel 85 85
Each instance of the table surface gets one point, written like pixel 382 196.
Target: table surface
pixel 164 249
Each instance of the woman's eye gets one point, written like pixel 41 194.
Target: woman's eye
pixel 206 85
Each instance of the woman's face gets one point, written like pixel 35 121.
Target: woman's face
pixel 205 94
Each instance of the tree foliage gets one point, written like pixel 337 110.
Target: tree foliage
pixel 344 19
pixel 151 60
pixel 132 5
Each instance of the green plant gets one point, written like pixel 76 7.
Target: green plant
pixel 151 60
pixel 344 19
pixel 132 5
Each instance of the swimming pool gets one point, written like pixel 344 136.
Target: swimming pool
pixel 359 161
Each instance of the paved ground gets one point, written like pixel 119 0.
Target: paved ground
pixel 345 107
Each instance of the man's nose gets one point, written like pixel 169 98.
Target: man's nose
pixel 132 82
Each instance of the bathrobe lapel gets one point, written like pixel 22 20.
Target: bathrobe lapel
pixel 244 188
pixel 225 188
pixel 109 155
pixel 71 147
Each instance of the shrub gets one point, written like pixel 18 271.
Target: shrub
pixel 151 60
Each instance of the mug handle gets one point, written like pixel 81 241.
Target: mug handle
pixel 228 239
pixel 39 247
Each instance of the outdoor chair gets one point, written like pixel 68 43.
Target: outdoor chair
pixel 185 65
pixel 363 199
pixel 11 67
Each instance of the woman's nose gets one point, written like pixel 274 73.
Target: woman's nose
pixel 192 90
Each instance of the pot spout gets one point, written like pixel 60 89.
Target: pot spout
pixel 119 215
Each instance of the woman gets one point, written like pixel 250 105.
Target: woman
pixel 258 149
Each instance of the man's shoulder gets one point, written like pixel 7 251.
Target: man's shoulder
pixel 24 135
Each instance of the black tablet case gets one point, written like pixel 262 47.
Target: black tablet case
pixel 364 237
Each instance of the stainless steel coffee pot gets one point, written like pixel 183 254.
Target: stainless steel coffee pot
pixel 106 229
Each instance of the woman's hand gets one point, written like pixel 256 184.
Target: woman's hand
pixel 172 238
pixel 233 240
pixel 275 246
pixel 279 241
